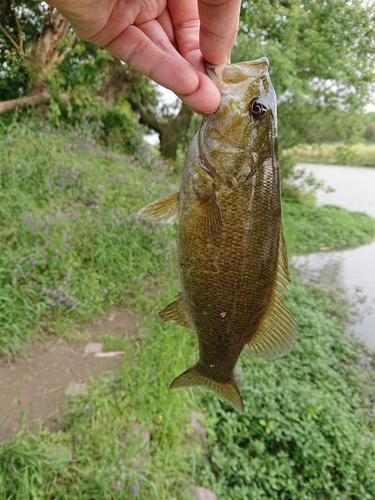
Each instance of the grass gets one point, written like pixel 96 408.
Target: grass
pixel 306 432
pixel 308 227
pixel 69 241
pixel 100 453
pixel 361 154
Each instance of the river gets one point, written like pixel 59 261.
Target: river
pixel 352 269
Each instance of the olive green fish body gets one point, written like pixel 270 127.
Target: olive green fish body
pixel 225 287
pixel 231 249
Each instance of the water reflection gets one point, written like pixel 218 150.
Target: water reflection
pixel 322 268
pixel 353 269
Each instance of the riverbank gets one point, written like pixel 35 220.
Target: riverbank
pixel 306 431
pixel 361 154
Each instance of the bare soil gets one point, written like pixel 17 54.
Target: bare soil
pixel 36 382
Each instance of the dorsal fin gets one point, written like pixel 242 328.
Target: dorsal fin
pixel 163 211
pixel 278 332
pixel 283 278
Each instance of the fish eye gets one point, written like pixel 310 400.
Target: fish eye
pixel 258 108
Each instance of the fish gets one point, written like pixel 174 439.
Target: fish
pixel 231 251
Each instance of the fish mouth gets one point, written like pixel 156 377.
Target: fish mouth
pixel 229 74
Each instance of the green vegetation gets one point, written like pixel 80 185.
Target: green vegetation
pixel 70 247
pixel 67 226
pixel 321 61
pixel 101 452
pixel 69 241
pixel 360 154
pixel 308 227
pixel 305 433
pixel 321 81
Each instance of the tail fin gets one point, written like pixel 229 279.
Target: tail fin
pixel 227 391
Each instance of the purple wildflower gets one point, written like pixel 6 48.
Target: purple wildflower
pixel 79 438
pixel 135 489
pixel 117 485
pixel 70 458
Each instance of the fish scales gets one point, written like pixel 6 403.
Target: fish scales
pixel 231 249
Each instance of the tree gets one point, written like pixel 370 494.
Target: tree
pixel 321 56
pixel 35 39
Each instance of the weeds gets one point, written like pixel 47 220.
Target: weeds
pixel 304 434
pixel 70 246
pixel 69 241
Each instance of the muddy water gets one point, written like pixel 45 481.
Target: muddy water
pixel 353 269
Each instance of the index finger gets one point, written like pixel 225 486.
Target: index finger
pixel 218 30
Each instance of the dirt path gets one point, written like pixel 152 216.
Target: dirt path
pixel 38 383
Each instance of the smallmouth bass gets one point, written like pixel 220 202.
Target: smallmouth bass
pixel 231 250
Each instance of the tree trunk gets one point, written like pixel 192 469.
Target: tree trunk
pixel 46 50
pixel 170 133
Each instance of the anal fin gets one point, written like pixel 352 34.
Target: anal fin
pixel 175 312
pixel 163 211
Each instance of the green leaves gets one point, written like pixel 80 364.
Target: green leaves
pixel 321 56
pixel 303 434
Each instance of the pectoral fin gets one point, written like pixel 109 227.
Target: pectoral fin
pixel 228 391
pixel 163 211
pixel 208 214
pixel 175 312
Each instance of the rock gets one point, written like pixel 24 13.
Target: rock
pixel 145 435
pixel 75 389
pixel 93 347
pixel 200 493
pixel 198 429
pixel 111 354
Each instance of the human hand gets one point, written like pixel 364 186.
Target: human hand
pixel 166 40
